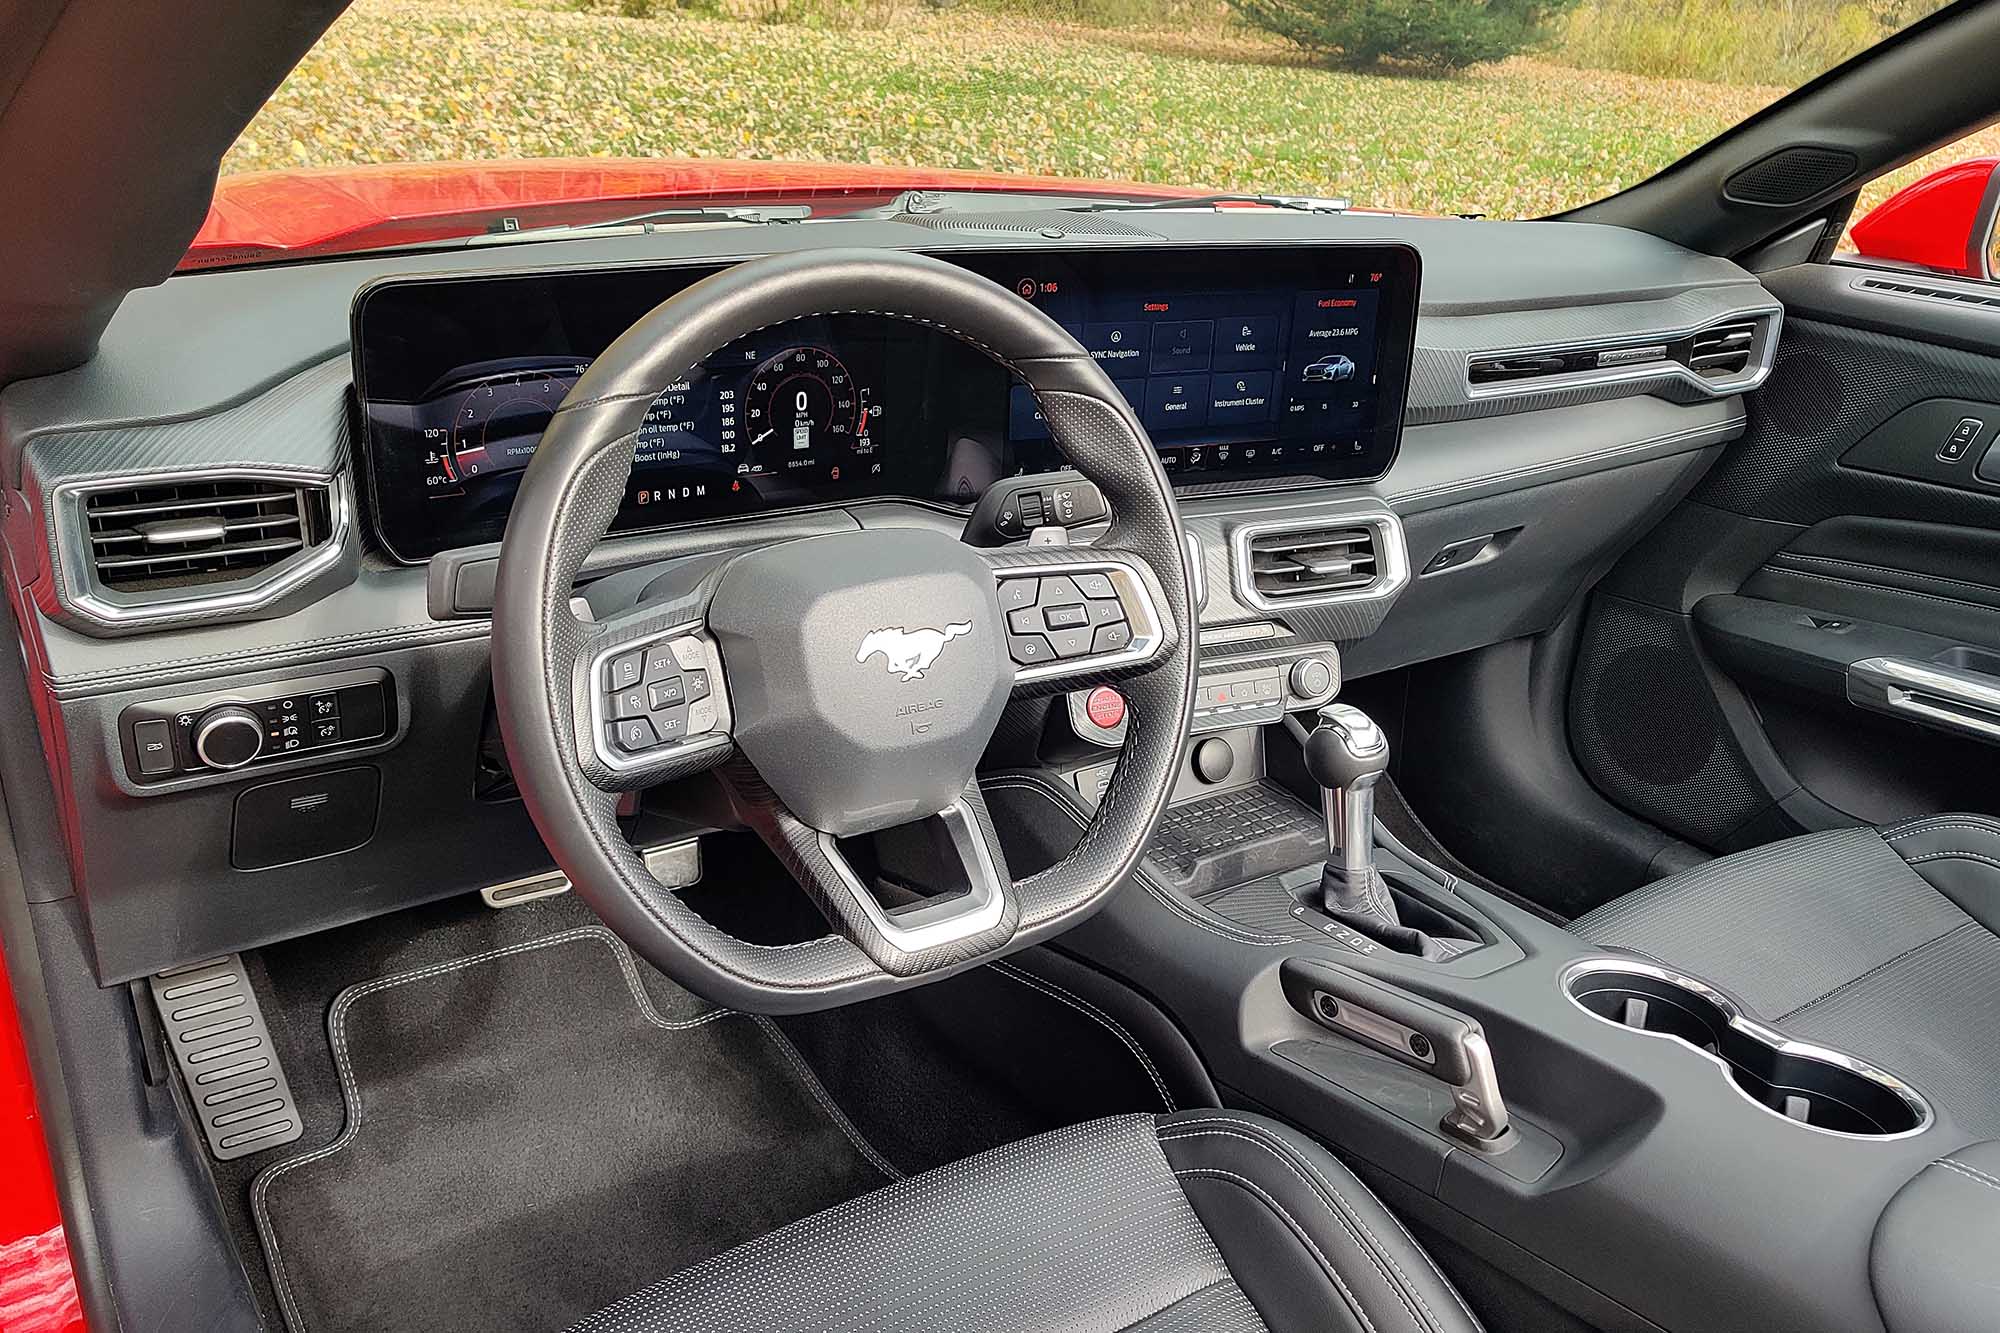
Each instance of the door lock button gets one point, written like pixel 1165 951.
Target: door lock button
pixel 1959 443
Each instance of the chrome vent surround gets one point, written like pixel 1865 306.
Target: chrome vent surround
pixel 1335 557
pixel 152 550
pixel 1727 355
pixel 182 534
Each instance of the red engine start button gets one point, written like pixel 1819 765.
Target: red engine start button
pixel 1105 707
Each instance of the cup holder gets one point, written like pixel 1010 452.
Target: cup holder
pixel 1812 1086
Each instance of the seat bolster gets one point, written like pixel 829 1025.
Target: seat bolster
pixel 1959 856
pixel 1307 1242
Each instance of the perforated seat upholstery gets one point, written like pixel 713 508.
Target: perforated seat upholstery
pixel 1878 942
pixel 1201 1222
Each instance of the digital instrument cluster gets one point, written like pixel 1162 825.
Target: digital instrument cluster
pixel 1301 373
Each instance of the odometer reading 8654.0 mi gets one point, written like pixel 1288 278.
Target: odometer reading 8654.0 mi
pixel 802 411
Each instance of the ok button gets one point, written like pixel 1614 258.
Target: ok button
pixel 1065 617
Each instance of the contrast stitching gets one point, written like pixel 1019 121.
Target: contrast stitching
pixel 351 1093
pixel 1912 832
pixel 1363 1236
pixel 1187 913
pixel 370 639
pixel 1973 1174
pixel 1882 569
pixel 1353 1301
pixel 1886 588
pixel 1091 1011
pixel 1967 924
pixel 1954 856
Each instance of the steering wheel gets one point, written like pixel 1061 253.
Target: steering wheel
pixel 842 684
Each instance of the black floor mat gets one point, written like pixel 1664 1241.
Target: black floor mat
pixel 529 1138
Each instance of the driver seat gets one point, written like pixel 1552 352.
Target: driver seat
pixel 1205 1221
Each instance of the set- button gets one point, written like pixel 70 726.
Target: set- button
pixel 658 695
pixel 1062 617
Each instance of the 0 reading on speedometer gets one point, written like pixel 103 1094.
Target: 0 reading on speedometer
pixel 802 410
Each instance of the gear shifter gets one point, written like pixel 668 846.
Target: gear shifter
pixel 1346 754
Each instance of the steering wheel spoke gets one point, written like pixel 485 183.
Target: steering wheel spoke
pixel 969 918
pixel 1079 616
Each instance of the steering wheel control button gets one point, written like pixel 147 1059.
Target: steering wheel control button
pixel 689 653
pixel 696 685
pixel 666 693
pixel 629 703
pixel 1111 638
pixel 1104 613
pixel 1105 707
pixel 701 717
pixel 1029 649
pixel 625 670
pixel 1016 594
pixel 634 735
pixel 1097 587
pixel 671 724
pixel 1065 617
pixel 1070 643
pixel 661 662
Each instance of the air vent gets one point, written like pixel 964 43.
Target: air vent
pixel 181 534
pixel 1285 566
pixel 1951 294
pixel 1723 351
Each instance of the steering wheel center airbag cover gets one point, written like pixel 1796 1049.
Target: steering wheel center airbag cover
pixel 867 671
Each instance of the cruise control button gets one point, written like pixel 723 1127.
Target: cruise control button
pixel 1029 649
pixel 1094 585
pixel 629 703
pixel 1027 620
pixel 661 662
pixel 1016 593
pixel 696 684
pixel 1065 617
pixel 1070 642
pixel 663 693
pixel 671 723
pixel 634 735
pixel 1111 638
pixel 624 670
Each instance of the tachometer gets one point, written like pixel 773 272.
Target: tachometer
pixel 499 423
pixel 802 411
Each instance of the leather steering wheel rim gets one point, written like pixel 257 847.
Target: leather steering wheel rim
pixel 545 658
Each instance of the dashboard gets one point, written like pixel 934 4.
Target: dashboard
pixel 1298 371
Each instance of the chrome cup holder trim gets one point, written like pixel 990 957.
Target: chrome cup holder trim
pixel 1736 1016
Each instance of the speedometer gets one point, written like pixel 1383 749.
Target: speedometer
pixel 803 412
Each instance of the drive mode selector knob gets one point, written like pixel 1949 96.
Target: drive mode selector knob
pixel 228 737
pixel 1311 677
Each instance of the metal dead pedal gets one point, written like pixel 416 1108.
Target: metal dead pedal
pixel 216 1030
pixel 677 865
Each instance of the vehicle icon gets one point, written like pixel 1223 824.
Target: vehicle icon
pixel 1329 370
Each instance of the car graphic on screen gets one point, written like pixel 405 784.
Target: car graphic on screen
pixel 1333 369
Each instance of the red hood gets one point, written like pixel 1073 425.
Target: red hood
pixel 271 215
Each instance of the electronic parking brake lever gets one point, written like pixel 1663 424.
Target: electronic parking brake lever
pixel 1426 1036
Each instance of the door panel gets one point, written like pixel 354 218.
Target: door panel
pixel 1711 690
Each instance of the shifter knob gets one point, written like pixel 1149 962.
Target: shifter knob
pixel 1345 748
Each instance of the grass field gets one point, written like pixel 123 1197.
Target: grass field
pixel 403 80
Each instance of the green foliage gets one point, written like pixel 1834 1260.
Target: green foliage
pixel 1772 42
pixel 1156 15
pixel 1426 34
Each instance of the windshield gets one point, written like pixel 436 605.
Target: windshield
pixel 1503 108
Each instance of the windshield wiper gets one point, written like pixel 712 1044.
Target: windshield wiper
pixel 1298 203
pixel 727 213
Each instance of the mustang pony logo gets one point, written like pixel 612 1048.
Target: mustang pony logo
pixel 910 652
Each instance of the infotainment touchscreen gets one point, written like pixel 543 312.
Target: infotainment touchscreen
pixel 1244 363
